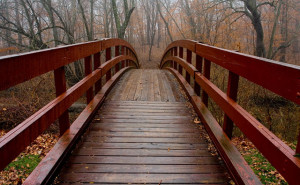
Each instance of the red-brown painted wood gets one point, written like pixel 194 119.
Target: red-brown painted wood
pixel 117 53
pixel 97 63
pixel 61 87
pixel 283 79
pixel 88 70
pixel 236 164
pixel 206 73
pixel 280 78
pixel 18 138
pixel 232 89
pixel 265 141
pixel 180 56
pixel 107 58
pixel 45 172
pixel 199 68
pixel 189 60
pixel 190 69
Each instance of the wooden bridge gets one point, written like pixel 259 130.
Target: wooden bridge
pixel 138 127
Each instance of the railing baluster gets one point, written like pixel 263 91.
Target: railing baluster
pixel 97 63
pixel 181 56
pixel 123 53
pixel 107 58
pixel 117 53
pixel 232 89
pixel 199 68
pixel 127 53
pixel 175 54
pixel 298 144
pixel 207 65
pixel 61 87
pixel 189 60
pixel 172 54
pixel 88 70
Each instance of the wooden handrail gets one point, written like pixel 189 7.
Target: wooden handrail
pixel 282 79
pixel 40 62
pixel 18 68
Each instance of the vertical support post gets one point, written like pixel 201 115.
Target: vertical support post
pixel 199 68
pixel 207 65
pixel 97 63
pixel 88 70
pixel 232 88
pixel 175 54
pixel 117 53
pixel 127 53
pixel 189 60
pixel 107 58
pixel 123 53
pixel 61 87
pixel 172 54
pixel 181 56
pixel 298 144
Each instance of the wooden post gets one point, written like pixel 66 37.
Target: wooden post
pixel 189 60
pixel 61 87
pixel 199 68
pixel 97 63
pixel 175 54
pixel 88 70
pixel 172 54
pixel 117 53
pixel 127 53
pixel 181 56
pixel 232 88
pixel 298 145
pixel 207 65
pixel 107 58
pixel 123 53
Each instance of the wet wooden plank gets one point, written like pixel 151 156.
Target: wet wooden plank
pixel 118 120
pixel 143 178
pixel 142 153
pixel 134 85
pixel 165 146
pixel 153 169
pixel 168 88
pixel 144 140
pixel 144 125
pixel 142 134
pixel 156 130
pixel 142 160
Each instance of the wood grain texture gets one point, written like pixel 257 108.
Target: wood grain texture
pixel 143 142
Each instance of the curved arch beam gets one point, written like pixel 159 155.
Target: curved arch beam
pixel 187 66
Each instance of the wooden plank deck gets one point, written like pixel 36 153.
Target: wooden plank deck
pixel 143 134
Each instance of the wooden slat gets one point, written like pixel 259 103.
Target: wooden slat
pixel 144 178
pixel 142 152
pixel 236 164
pixel 143 134
pixel 164 146
pixel 281 78
pixel 44 172
pixel 157 130
pixel 158 121
pixel 144 140
pixel 153 169
pixel 142 160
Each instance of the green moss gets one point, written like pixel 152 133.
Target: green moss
pixel 262 168
pixel 26 163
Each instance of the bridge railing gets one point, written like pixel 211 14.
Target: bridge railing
pixel 15 69
pixel 282 79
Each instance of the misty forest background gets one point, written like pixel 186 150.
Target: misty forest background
pixel 265 28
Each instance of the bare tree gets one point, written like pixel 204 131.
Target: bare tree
pixel 121 27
